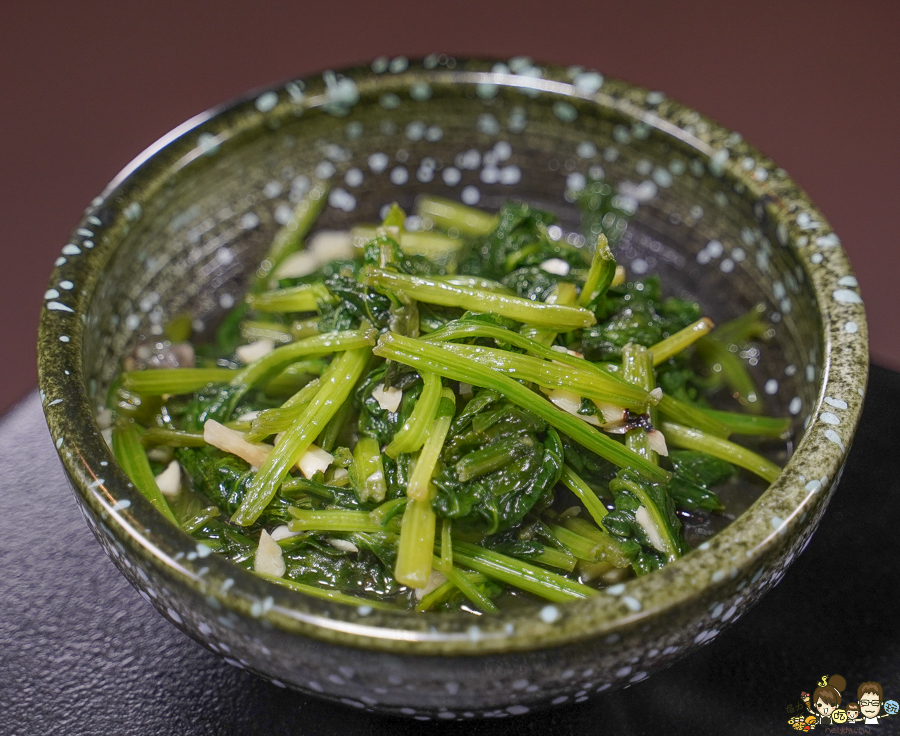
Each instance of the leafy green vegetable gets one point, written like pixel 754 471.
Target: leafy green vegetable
pixel 390 457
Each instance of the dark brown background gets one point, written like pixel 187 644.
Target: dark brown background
pixel 85 86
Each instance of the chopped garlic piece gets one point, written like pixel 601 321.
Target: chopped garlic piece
pixel 314 460
pixel 340 473
pixel 465 390
pixel 612 414
pixel 232 441
pixel 571 403
pixel 342 544
pixel 561 349
pixel 556 266
pixel 387 398
pixel 657 442
pixel 656 394
pixel 169 481
pixel 283 532
pixel 437 579
pixel 249 416
pixel 296 265
pixel 331 245
pixel 254 350
pixel 642 517
pixel 268 558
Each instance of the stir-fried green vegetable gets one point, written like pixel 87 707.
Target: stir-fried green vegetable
pixel 451 418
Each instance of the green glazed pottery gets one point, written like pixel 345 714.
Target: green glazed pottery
pixel 182 227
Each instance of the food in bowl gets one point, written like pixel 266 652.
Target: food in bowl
pixel 455 411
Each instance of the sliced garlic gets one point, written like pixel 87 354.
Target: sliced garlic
pixel 436 580
pixel 612 415
pixel 331 245
pixel 232 441
pixel 556 266
pixel 388 398
pixel 169 481
pixel 296 265
pixel 283 532
pixel 255 350
pixel 268 559
pixel 642 517
pixel 315 459
pixel 657 442
pixel 342 544
pixel 571 403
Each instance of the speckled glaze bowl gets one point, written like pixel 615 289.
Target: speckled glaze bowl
pixel 182 225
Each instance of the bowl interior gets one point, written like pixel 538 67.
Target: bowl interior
pixel 195 242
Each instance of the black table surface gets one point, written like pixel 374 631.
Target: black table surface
pixel 82 653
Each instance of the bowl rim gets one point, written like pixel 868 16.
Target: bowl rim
pixel 787 509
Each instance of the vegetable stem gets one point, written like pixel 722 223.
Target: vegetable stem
pixel 289 238
pixel 674 344
pixel 126 446
pixel 585 494
pixel 444 294
pixel 520 574
pixel 447 214
pixel 436 431
pixel 694 439
pixel 414 552
pixel 412 434
pixel 601 273
pixel 336 385
pixel 429 357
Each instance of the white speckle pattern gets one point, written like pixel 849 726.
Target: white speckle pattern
pixel 771 387
pixel 378 162
pixel 846 296
pixel 517 710
pixel 59 307
pixel 795 406
pixel 510 175
pixel 353 177
pixel 451 176
pixel 341 199
pixel 776 522
pixel 549 614
pixel 399 175
pixel 173 614
pixel 834 437
pixel 266 101
pixel 588 82
pixel 470 195
pixel 633 604
pixel 851 327
pixel 829 418
pixel 249 221
pixel 836 403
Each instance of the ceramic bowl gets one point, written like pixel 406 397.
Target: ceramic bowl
pixel 181 227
